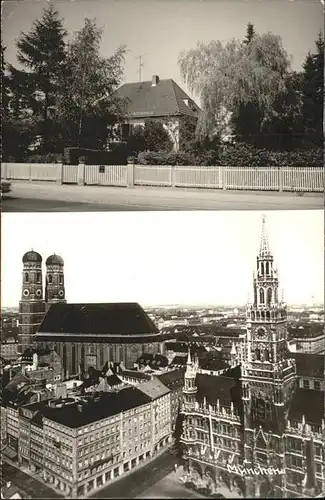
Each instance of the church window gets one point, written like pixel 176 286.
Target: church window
pixel 269 296
pixel 266 355
pixel 268 315
pixel 261 296
pixel 50 278
pixel 257 315
pixel 267 268
pixel 38 277
pixel 262 315
pixel 26 277
pixel 253 315
pixel 257 354
pixel 61 279
pixel 262 268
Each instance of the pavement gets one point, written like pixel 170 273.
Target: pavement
pixel 31 487
pixel 48 197
pixel 133 484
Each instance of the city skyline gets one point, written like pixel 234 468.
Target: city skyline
pixel 192 258
pixel 126 22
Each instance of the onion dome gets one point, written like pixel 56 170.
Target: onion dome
pixel 32 256
pixel 54 260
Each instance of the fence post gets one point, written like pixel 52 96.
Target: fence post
pixel 59 173
pixel 30 172
pixel 220 177
pixel 173 175
pixel 4 171
pixel 130 175
pixel 81 174
pixel 280 178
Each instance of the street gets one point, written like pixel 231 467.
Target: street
pixel 31 487
pixel 135 483
pixel 50 197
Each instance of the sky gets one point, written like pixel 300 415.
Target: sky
pixel 160 29
pixel 156 258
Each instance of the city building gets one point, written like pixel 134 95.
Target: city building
pixel 309 344
pixel 79 444
pixel 87 335
pixel 259 414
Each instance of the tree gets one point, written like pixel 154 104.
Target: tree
pixel 234 78
pixel 87 107
pixel 42 53
pixel 152 137
pixel 250 33
pixel 313 94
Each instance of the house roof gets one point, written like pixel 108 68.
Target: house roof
pixel 154 388
pixel 164 99
pixel 309 365
pixel 309 403
pixel 179 360
pixel 109 319
pixel 105 405
pixel 135 374
pixel 222 388
pixel 170 377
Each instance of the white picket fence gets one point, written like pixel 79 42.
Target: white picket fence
pixel 295 179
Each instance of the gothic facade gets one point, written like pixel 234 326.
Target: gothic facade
pixel 255 430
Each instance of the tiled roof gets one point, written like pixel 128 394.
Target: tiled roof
pixel 309 403
pixel 97 319
pixel 226 389
pixel 168 378
pixel 309 365
pixel 179 360
pixel 154 388
pixel 164 99
pixel 98 408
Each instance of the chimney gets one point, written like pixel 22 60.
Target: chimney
pixel 79 406
pixel 155 80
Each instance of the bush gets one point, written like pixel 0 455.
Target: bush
pixel 153 158
pixel 45 158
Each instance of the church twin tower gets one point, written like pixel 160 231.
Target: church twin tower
pixel 34 304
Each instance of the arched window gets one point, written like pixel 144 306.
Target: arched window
pixel 257 354
pixel 253 316
pixel 261 296
pixel 269 296
pixel 38 277
pixel 266 355
pixel 267 315
pixel 61 279
pixel 26 277
pixel 262 315
pixel 50 278
pixel 262 268
pixel 255 295
pixel 267 268
pixel 257 315
pixel 276 295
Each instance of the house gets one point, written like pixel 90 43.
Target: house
pixel 161 100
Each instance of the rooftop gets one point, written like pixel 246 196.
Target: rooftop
pixel 166 98
pixel 309 403
pixel 154 389
pixel 97 408
pixel 309 365
pixel 97 319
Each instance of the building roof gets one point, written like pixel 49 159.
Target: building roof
pixel 222 388
pixel 54 260
pixel 154 388
pixel 172 376
pixel 32 256
pixel 96 408
pixel 309 365
pixel 135 374
pixel 143 100
pixel 309 403
pixel 179 360
pixel 110 319
pixel 214 364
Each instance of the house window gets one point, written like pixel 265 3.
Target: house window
pixel 306 384
pixel 101 169
pixel 317 385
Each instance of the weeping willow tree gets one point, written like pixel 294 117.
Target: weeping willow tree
pixel 236 81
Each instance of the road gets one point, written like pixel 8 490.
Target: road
pixel 50 197
pixel 137 481
pixel 168 487
pixel 31 487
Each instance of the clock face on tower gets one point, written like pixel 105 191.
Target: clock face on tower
pixel 261 333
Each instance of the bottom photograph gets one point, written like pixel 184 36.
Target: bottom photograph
pixel 162 355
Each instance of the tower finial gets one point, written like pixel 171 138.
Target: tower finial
pixel 189 361
pixel 264 247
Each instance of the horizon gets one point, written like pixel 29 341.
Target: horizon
pixel 126 22
pixel 191 258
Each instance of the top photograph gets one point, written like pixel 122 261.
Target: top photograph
pixel 153 105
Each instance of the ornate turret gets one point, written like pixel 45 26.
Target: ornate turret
pixel 54 287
